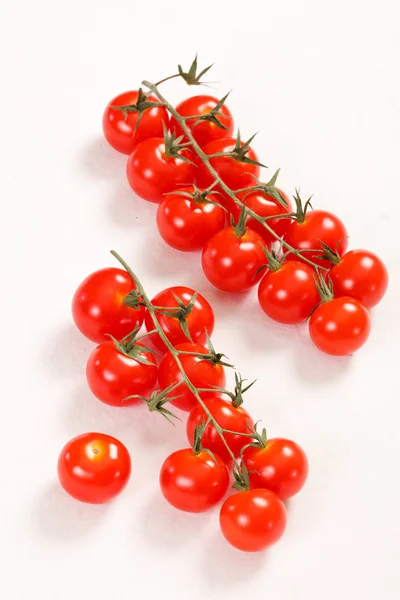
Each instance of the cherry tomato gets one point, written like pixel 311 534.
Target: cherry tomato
pixel 202 373
pixel 200 319
pixel 98 308
pixel 253 520
pixel 152 172
pixel 205 131
pixel 318 226
pixel 265 206
pixel 230 262
pixel 94 467
pixel 186 223
pixel 228 417
pixel 362 275
pixel 193 482
pixel 340 326
pixel 234 173
pixel 289 294
pixel 121 134
pixel 281 467
pixel 112 375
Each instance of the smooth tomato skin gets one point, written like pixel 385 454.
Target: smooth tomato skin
pixel 187 225
pixel 94 467
pixel 228 417
pixel 151 173
pixel 289 295
pixel 98 309
pixel 362 275
pixel 112 376
pixel 253 520
pixel 199 320
pixel 121 133
pixel 281 467
pixel 193 482
pixel 230 262
pixel 319 225
pixel 205 131
pixel 265 206
pixel 202 373
pixel 234 174
pixel 340 326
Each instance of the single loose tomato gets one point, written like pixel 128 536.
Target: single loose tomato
pixel 233 172
pixel 113 375
pixel 289 294
pixel 205 131
pixel 228 417
pixel 98 305
pixel 121 132
pixel 188 223
pixel 253 520
pixel 230 260
pixel 202 374
pixel 281 466
pixel 264 205
pixel 199 319
pixel 152 172
pixel 362 275
pixel 340 326
pixel 193 482
pixel 94 467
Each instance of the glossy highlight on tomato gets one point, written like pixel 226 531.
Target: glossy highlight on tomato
pixel 112 375
pixel 200 319
pixel 340 326
pixel 193 482
pixel 289 294
pixel 94 467
pixel 152 172
pixel 231 262
pixel 187 224
pixel 204 131
pixel 98 305
pixel 121 133
pixel 253 520
pixel 362 275
pixel 281 467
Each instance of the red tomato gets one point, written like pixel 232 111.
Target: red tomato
pixel 152 173
pixel 98 308
pixel 202 373
pixel 94 467
pixel 362 275
pixel 234 173
pixel 193 482
pixel 281 467
pixel 186 223
pixel 200 319
pixel 265 206
pixel 120 133
pixel 230 262
pixel 318 226
pixel 289 294
pixel 228 417
pixel 112 375
pixel 206 131
pixel 253 520
pixel 340 326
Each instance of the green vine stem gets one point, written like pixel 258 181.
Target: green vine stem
pixel 205 159
pixel 175 353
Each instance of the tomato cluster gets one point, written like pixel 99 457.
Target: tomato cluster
pixel 210 199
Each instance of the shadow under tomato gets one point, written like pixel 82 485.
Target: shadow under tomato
pixel 101 161
pixel 314 366
pixel 55 514
pixel 127 210
pixel 67 351
pixel 224 566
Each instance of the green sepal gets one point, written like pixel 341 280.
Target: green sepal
pixel 191 76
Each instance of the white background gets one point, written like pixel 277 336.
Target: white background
pixel 320 81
